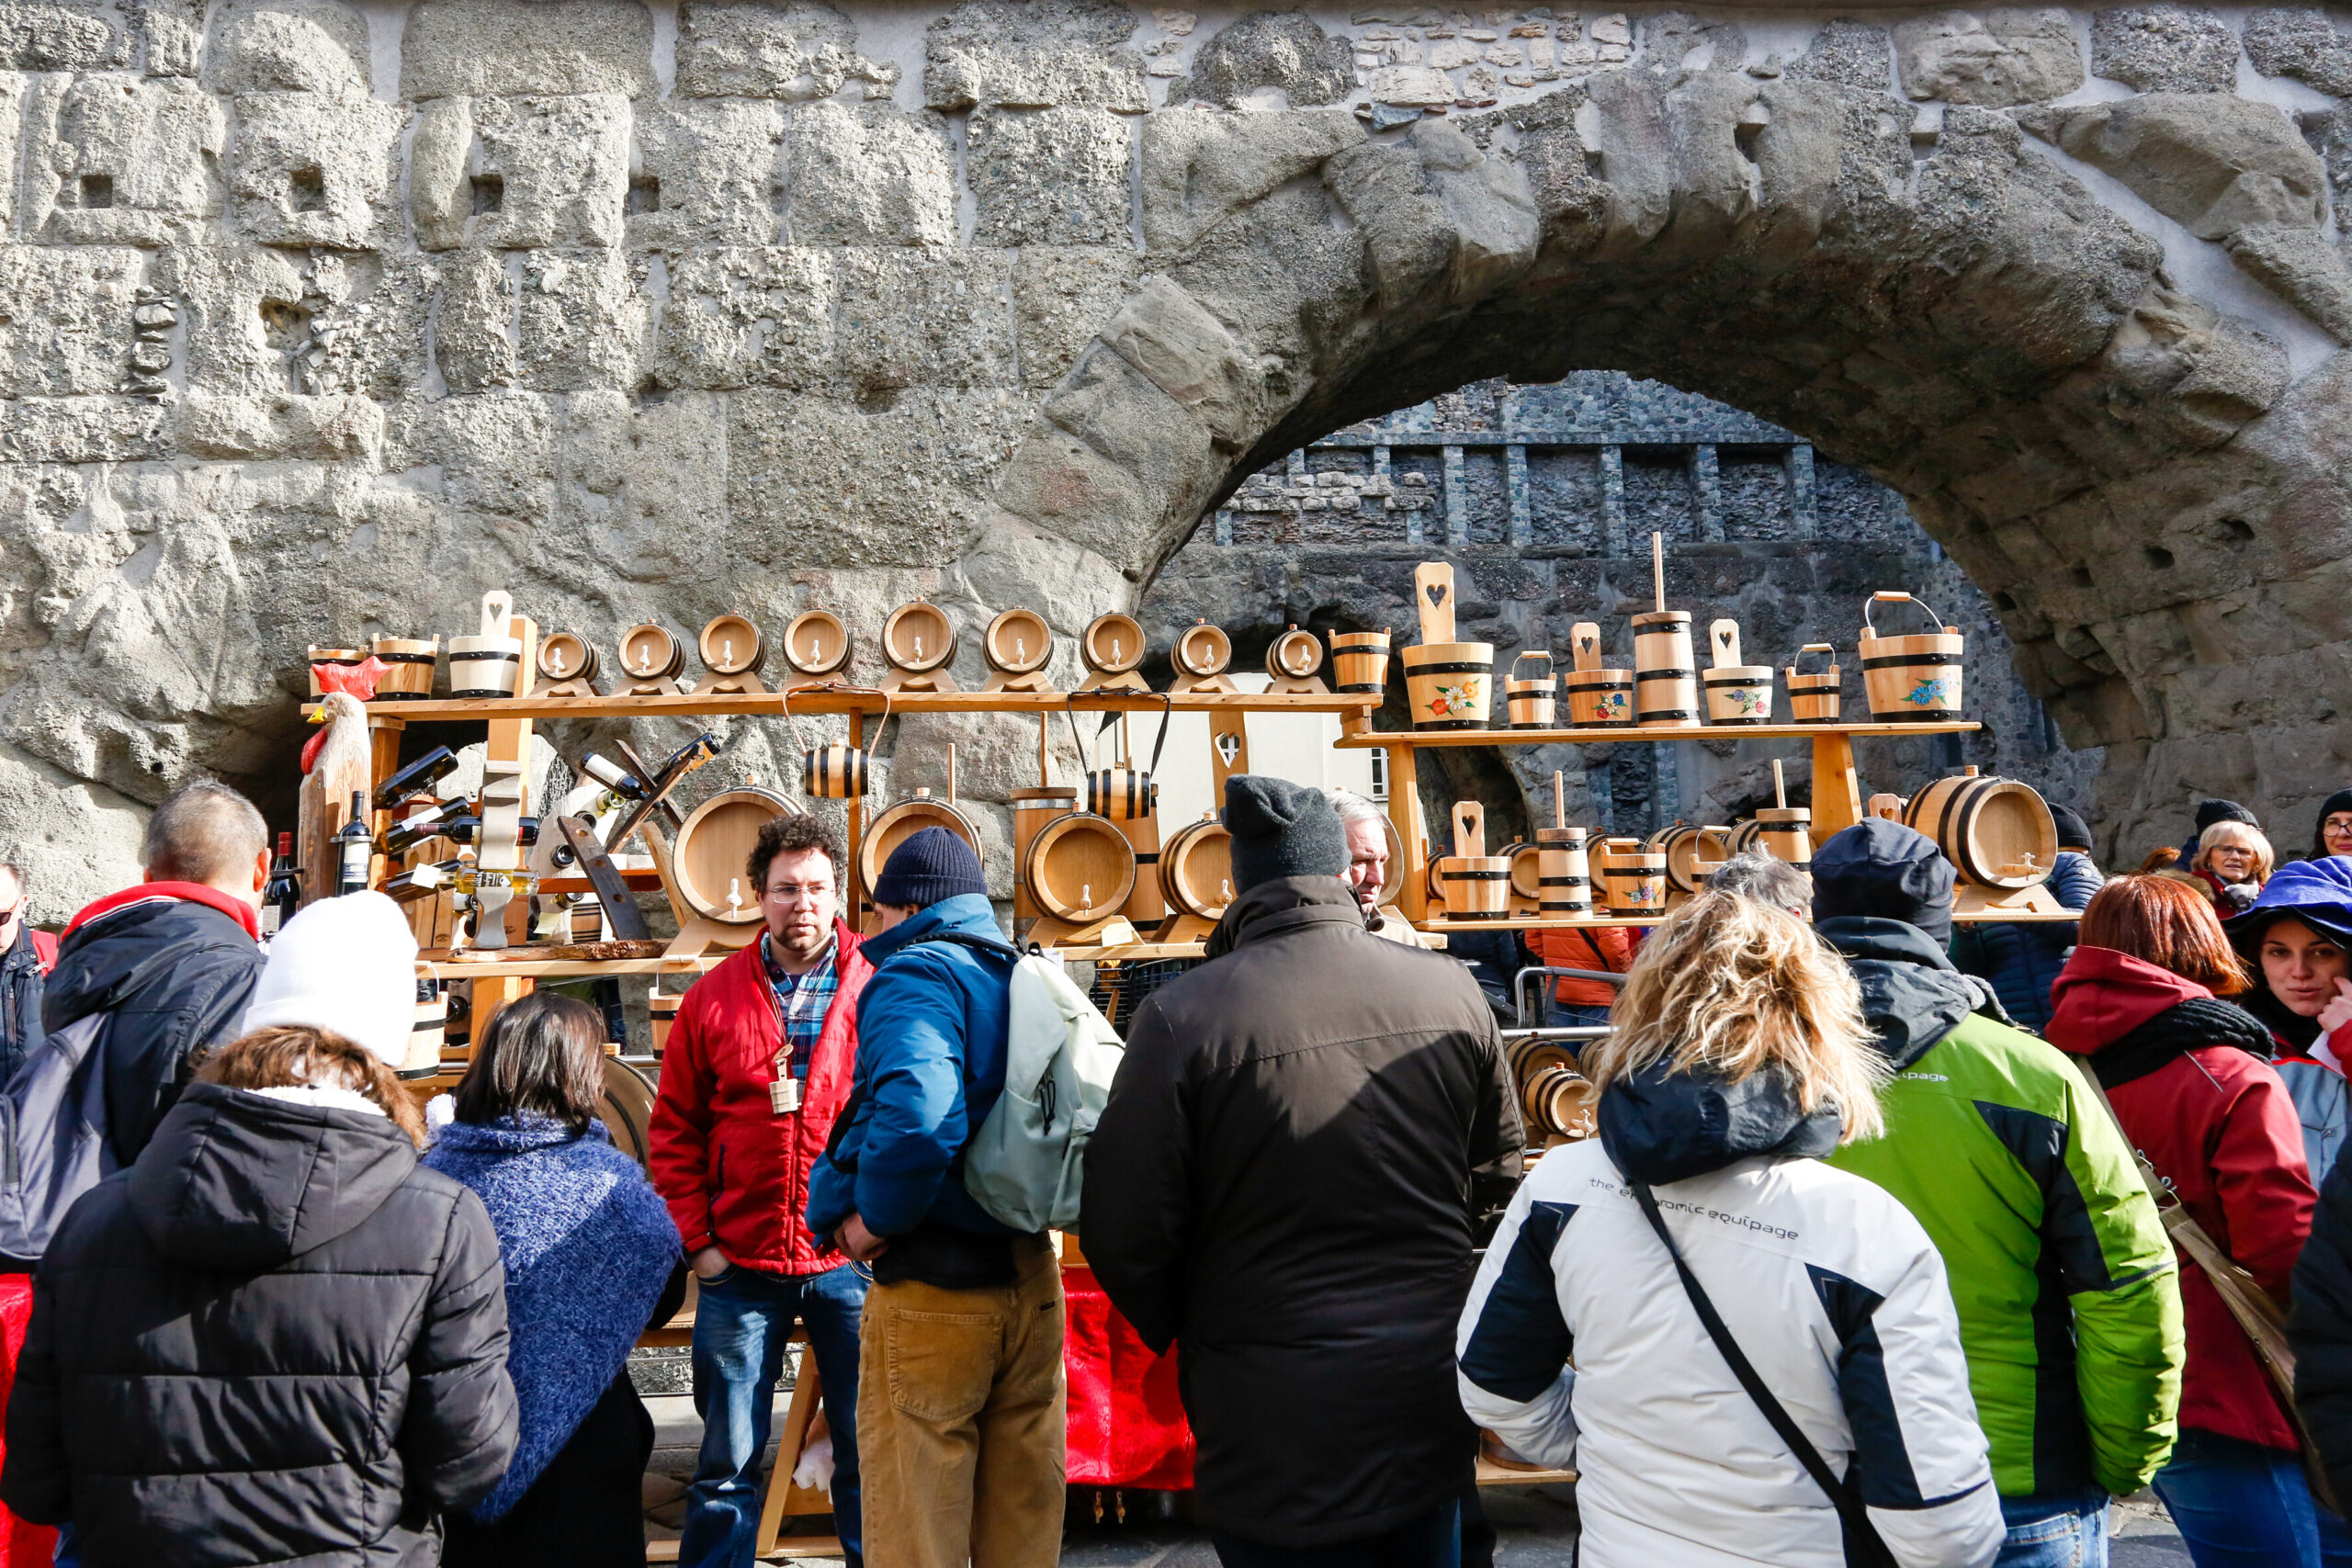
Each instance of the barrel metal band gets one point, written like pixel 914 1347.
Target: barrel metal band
pixel 1904 660
pixel 1471 669
pixel 1651 716
pixel 1450 723
pixel 1641 675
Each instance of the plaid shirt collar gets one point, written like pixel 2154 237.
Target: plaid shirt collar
pixel 803 1000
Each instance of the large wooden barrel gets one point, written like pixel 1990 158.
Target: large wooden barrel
pixel 1526 871
pixel 626 1108
pixel 1111 644
pixel 1450 685
pixel 1562 1102
pixel 833 772
pixel 894 825
pixel 1196 868
pixel 1813 697
pixel 1910 680
pixel 567 655
pixel 1360 662
pixel 731 645
pixel 649 653
pixel 709 862
pixel 1079 867
pixel 816 643
pixel 1032 809
pixel 1295 655
pixel 1632 877
pixel 1017 642
pixel 408 667
pixel 1682 845
pixel 1666 680
pixel 1996 832
pixel 1562 873
pixel 1202 651
pixel 918 636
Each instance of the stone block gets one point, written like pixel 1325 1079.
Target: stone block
pixel 585 321
pixel 243 313
pixel 553 172
pixel 287 45
pixel 795 50
pixel 1847 51
pixel 74 840
pixel 2214 163
pixel 367 331
pixel 748 317
pixel 172 32
pixel 1170 341
pixel 821 478
pixel 1060 298
pixel 325 429
pixel 1289 277
pixel 1199 167
pixel 707 174
pixel 61 37
pixel 1677 41
pixel 440 195
pixel 643 484
pixel 2302 265
pixel 1995 59
pixel 474 323
pixel 869 175
pixel 495 450
pixel 119 159
pixel 2163 48
pixel 904 316
pixel 1034 54
pixel 2302 44
pixel 1056 176
pixel 1410 86
pixel 454 47
pixel 1058 483
pixel 1283 50
pixel 82 430
pixel 65 324
pixel 316 169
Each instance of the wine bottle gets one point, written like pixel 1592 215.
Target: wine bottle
pixel 417 777
pixel 414 829
pixel 467 829
pixel 284 894
pixel 354 846
pixel 628 785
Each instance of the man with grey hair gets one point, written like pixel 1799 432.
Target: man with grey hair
pixel 1366 826
pixel 1766 879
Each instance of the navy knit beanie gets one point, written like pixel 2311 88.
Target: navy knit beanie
pixel 1280 829
pixel 2074 833
pixel 928 866
pixel 1882 868
pixel 2211 811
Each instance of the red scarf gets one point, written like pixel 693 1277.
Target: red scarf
pixel 186 892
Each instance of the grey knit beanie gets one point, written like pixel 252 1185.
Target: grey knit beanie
pixel 1280 829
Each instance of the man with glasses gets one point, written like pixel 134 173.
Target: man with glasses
pixel 758 1066
pixel 26 956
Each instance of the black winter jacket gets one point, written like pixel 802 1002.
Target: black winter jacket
pixel 176 974
pixel 275 1338
pixel 1283 1179
pixel 20 994
pixel 2320 1328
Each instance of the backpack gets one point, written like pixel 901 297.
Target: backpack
pixel 53 1144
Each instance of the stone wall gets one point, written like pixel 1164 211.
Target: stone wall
pixel 319 319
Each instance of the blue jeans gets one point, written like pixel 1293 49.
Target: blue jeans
pixel 2057 1529
pixel 2238 1504
pixel 743 1322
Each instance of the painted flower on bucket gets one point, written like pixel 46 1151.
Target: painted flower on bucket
pixel 1452 702
pixel 1928 692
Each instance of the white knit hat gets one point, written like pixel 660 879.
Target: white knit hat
pixel 346 965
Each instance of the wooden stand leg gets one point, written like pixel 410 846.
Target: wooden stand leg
pixel 1405 812
pixel 1836 791
pixel 1227 730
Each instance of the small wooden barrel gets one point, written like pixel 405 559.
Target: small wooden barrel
pixel 626 1108
pixel 489 664
pixel 1682 845
pixel 431 1021
pixel 1813 699
pixel 1032 809
pixel 1562 877
pixel 918 636
pixel 1431 888
pixel 1121 794
pixel 1017 642
pixel 894 825
pixel 663 1008
pixel 731 645
pixel 586 922
pixel 1530 1055
pixel 816 643
pixel 1079 867
pixel 1632 877
pixel 1911 679
pixel 567 655
pixel 1739 694
pixel 1600 698
pixel 408 667
pixel 1196 868
pixel 1562 1103
pixel 1526 871
pixel 1201 649
pixel 649 653
pixel 1295 655
pixel 833 772
pixel 1997 832
pixel 709 862
pixel 1111 644
pixel 1450 685
pixel 1475 885
pixel 350 657
pixel 1360 662
pixel 1665 679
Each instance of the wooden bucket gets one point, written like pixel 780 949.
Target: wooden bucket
pixel 918 636
pixel 1739 694
pixel 567 655
pixel 1295 655
pixel 408 667
pixel 731 645
pixel 1018 642
pixel 1598 696
pixel 1562 1103
pixel 489 664
pixel 816 643
pixel 711 858
pixel 1911 679
pixel 1202 651
pixel 1475 883
pixel 1666 680
pixel 349 657
pixel 833 772
pixel 1531 703
pixel 1996 832
pixel 1683 846
pixel 1121 794
pixel 1785 833
pixel 1632 877
pixel 649 653
pixel 1079 868
pixel 1360 662
pixel 1196 868
pixel 1111 644
pixel 1450 685
pixel 626 1108
pixel 1812 698
pixel 1563 874
pixel 894 825
pixel 1032 809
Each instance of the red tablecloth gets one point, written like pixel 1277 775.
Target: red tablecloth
pixel 23 1545
pixel 1126 1423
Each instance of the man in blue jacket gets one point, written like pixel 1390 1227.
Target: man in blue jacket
pixel 2022 961
pixel 964 1458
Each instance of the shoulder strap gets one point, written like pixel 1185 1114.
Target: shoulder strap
pixel 1841 1494
pixel 977 943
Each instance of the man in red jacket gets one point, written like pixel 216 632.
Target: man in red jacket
pixel 759 1063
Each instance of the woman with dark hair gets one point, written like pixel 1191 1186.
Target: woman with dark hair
pixel 2297 941
pixel 590 1257
pixel 2188 1075
pixel 2333 835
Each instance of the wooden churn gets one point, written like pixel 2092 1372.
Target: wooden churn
pixel 1474 881
pixel 489 664
pixel 1599 697
pixel 1665 675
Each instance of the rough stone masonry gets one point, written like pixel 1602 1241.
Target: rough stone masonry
pixel 320 319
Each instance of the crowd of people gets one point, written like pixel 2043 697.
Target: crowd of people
pixel 1900 1241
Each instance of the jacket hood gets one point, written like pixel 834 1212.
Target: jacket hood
pixel 1660 1126
pixel 2103 995
pixel 964 912
pixel 240 1182
pixel 1278 905
pixel 2316 892
pixel 1911 994
pixel 109 955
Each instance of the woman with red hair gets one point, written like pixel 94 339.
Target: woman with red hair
pixel 2190 1078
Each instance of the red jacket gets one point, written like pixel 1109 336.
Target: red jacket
pixel 734 1173
pixel 2219 1124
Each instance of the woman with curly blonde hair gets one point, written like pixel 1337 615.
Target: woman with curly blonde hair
pixel 1766 1362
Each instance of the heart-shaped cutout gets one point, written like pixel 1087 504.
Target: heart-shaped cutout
pixel 1228 747
pixel 1724 637
pixel 1436 592
pixel 1588 644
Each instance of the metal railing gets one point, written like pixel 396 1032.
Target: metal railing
pixel 1527 1015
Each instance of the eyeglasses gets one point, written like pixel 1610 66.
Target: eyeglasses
pixel 800 892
